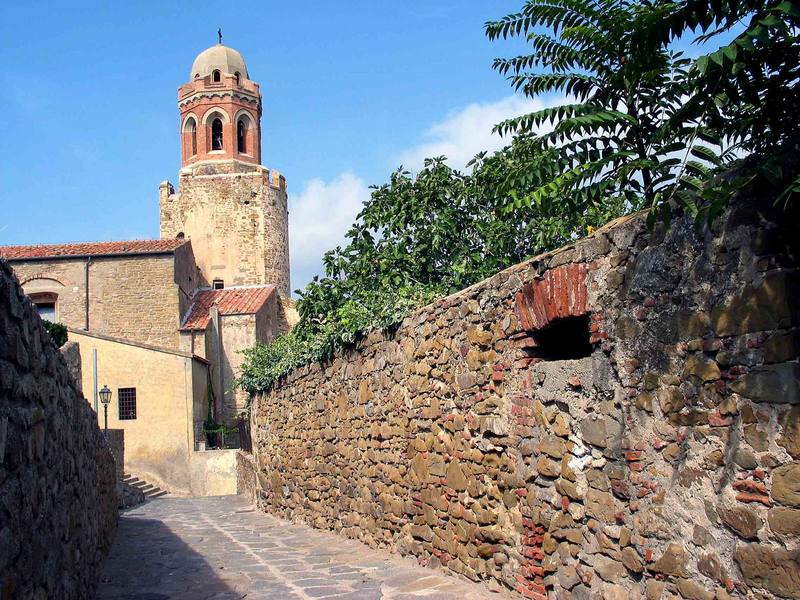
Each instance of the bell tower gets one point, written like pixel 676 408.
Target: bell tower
pixel 232 208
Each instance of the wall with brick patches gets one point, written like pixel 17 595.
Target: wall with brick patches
pixel 658 457
pixel 58 506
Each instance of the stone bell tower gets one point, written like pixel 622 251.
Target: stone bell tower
pixel 231 207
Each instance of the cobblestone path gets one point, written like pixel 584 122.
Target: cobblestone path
pixel 222 548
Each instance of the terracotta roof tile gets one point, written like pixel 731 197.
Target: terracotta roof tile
pixel 229 301
pixel 90 249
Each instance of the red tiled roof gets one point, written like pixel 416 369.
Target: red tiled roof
pixel 229 301
pixel 90 249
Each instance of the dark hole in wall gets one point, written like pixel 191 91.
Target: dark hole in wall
pixel 564 339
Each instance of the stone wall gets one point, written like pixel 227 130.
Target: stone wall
pixel 236 216
pixel 616 419
pixel 71 352
pixel 58 506
pixel 116 443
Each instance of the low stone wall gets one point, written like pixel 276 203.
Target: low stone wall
pixel 616 419
pixel 246 478
pixel 58 506
pixel 116 443
pixel 213 472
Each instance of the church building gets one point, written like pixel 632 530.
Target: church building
pixel 163 322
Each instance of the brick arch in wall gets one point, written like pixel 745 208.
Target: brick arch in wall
pixel 228 134
pixel 190 129
pixel 40 276
pixel 558 294
pixel 250 140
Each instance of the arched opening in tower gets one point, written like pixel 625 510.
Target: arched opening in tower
pixel 241 136
pixel 216 134
pixel 191 136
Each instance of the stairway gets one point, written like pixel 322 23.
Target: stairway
pixel 149 490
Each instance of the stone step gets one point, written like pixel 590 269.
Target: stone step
pixel 148 489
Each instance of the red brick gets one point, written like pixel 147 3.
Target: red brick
pixel 749 497
pixel 746 485
pixel 717 420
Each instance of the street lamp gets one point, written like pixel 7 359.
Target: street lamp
pixel 105 398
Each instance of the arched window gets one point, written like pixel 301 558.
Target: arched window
pixel 197 75
pixel 238 77
pixel 191 135
pixel 241 136
pixel 45 303
pixel 216 134
pixel 215 77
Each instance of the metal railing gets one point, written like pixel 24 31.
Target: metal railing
pixel 236 437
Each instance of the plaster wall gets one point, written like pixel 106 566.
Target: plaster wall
pixel 238 333
pixel 213 473
pixel 170 402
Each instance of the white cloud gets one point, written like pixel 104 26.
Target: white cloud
pixel 464 133
pixel 321 214
pixel 318 219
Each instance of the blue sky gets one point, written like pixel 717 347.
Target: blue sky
pixel 350 89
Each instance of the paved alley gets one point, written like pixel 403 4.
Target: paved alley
pixel 222 548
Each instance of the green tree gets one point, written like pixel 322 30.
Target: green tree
pixel 417 238
pixel 622 133
pixel 746 90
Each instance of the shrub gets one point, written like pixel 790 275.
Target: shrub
pixel 57 331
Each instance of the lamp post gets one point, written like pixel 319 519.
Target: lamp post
pixel 105 398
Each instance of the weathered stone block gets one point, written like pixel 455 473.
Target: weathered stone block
pixel 672 562
pixel 790 435
pixel 786 484
pixel 773 569
pixel 779 384
pixel 784 521
pixel 770 305
pixel 741 520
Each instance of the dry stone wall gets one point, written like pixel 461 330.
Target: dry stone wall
pixel 617 419
pixel 58 506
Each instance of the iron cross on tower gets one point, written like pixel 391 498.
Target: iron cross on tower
pixel 219 35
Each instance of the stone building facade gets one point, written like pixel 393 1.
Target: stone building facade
pixel 135 290
pixel 616 419
pixel 221 324
pixel 144 302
